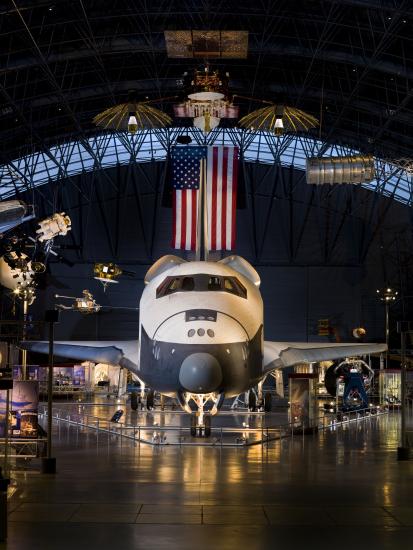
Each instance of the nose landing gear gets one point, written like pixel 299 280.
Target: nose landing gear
pixel 201 419
pixel 200 430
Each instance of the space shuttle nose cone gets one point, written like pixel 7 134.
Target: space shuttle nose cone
pixel 200 373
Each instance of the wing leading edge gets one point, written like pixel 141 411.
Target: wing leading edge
pixel 124 353
pixel 278 355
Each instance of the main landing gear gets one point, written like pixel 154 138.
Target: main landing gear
pixel 259 400
pixel 137 401
pixel 201 418
pixel 200 430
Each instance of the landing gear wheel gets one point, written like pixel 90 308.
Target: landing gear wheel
pixel 150 400
pixel 252 401
pixel 267 402
pixel 207 424
pixel 193 425
pixel 134 401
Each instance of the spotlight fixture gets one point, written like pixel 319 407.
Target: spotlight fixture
pixel 387 294
pixel 131 117
pixel 278 119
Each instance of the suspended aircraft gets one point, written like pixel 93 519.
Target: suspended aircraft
pixel 201 335
pixel 12 214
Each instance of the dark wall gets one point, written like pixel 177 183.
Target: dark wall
pixel 321 251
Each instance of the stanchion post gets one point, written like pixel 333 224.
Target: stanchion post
pixel 49 462
pixel 403 452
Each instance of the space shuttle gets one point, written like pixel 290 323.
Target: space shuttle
pixel 201 335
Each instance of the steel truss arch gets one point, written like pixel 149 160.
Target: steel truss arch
pixel 68 159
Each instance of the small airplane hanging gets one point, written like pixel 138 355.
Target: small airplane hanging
pixel 86 304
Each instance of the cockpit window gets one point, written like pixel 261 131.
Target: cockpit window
pixel 201 283
pixel 188 283
pixel 214 283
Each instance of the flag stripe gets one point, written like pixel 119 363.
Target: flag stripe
pixel 194 219
pixel 218 213
pixel 213 214
pixel 188 225
pixel 224 198
pixel 220 178
pixel 234 180
pixel 210 164
pixel 183 219
pixel 228 212
pixel 178 218
pixel 174 220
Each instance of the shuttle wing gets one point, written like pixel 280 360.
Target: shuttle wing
pixel 278 355
pixel 122 353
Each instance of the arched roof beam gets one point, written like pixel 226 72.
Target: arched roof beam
pixel 131 45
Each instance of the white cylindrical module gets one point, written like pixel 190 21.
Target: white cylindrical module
pixel 347 170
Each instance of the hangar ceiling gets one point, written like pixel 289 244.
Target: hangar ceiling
pixel 348 62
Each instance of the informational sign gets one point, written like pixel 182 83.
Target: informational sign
pixel 23 407
pixel 31 370
pixel 303 403
pixel 390 386
pixel 79 378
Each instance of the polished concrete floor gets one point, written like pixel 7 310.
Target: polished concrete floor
pixel 342 488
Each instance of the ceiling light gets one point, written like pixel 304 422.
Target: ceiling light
pixel 279 123
pixel 132 124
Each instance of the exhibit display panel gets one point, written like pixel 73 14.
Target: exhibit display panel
pixel 23 409
pixel 389 386
pixel 303 411
pixel 73 378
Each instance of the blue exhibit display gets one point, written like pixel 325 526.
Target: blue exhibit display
pixel 355 395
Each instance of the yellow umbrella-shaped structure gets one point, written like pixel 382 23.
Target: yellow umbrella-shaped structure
pixel 279 119
pixel 130 117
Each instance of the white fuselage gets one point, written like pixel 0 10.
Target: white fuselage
pixel 199 308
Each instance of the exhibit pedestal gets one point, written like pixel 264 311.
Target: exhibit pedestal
pixel 48 465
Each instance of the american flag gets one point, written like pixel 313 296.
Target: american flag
pixel 220 178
